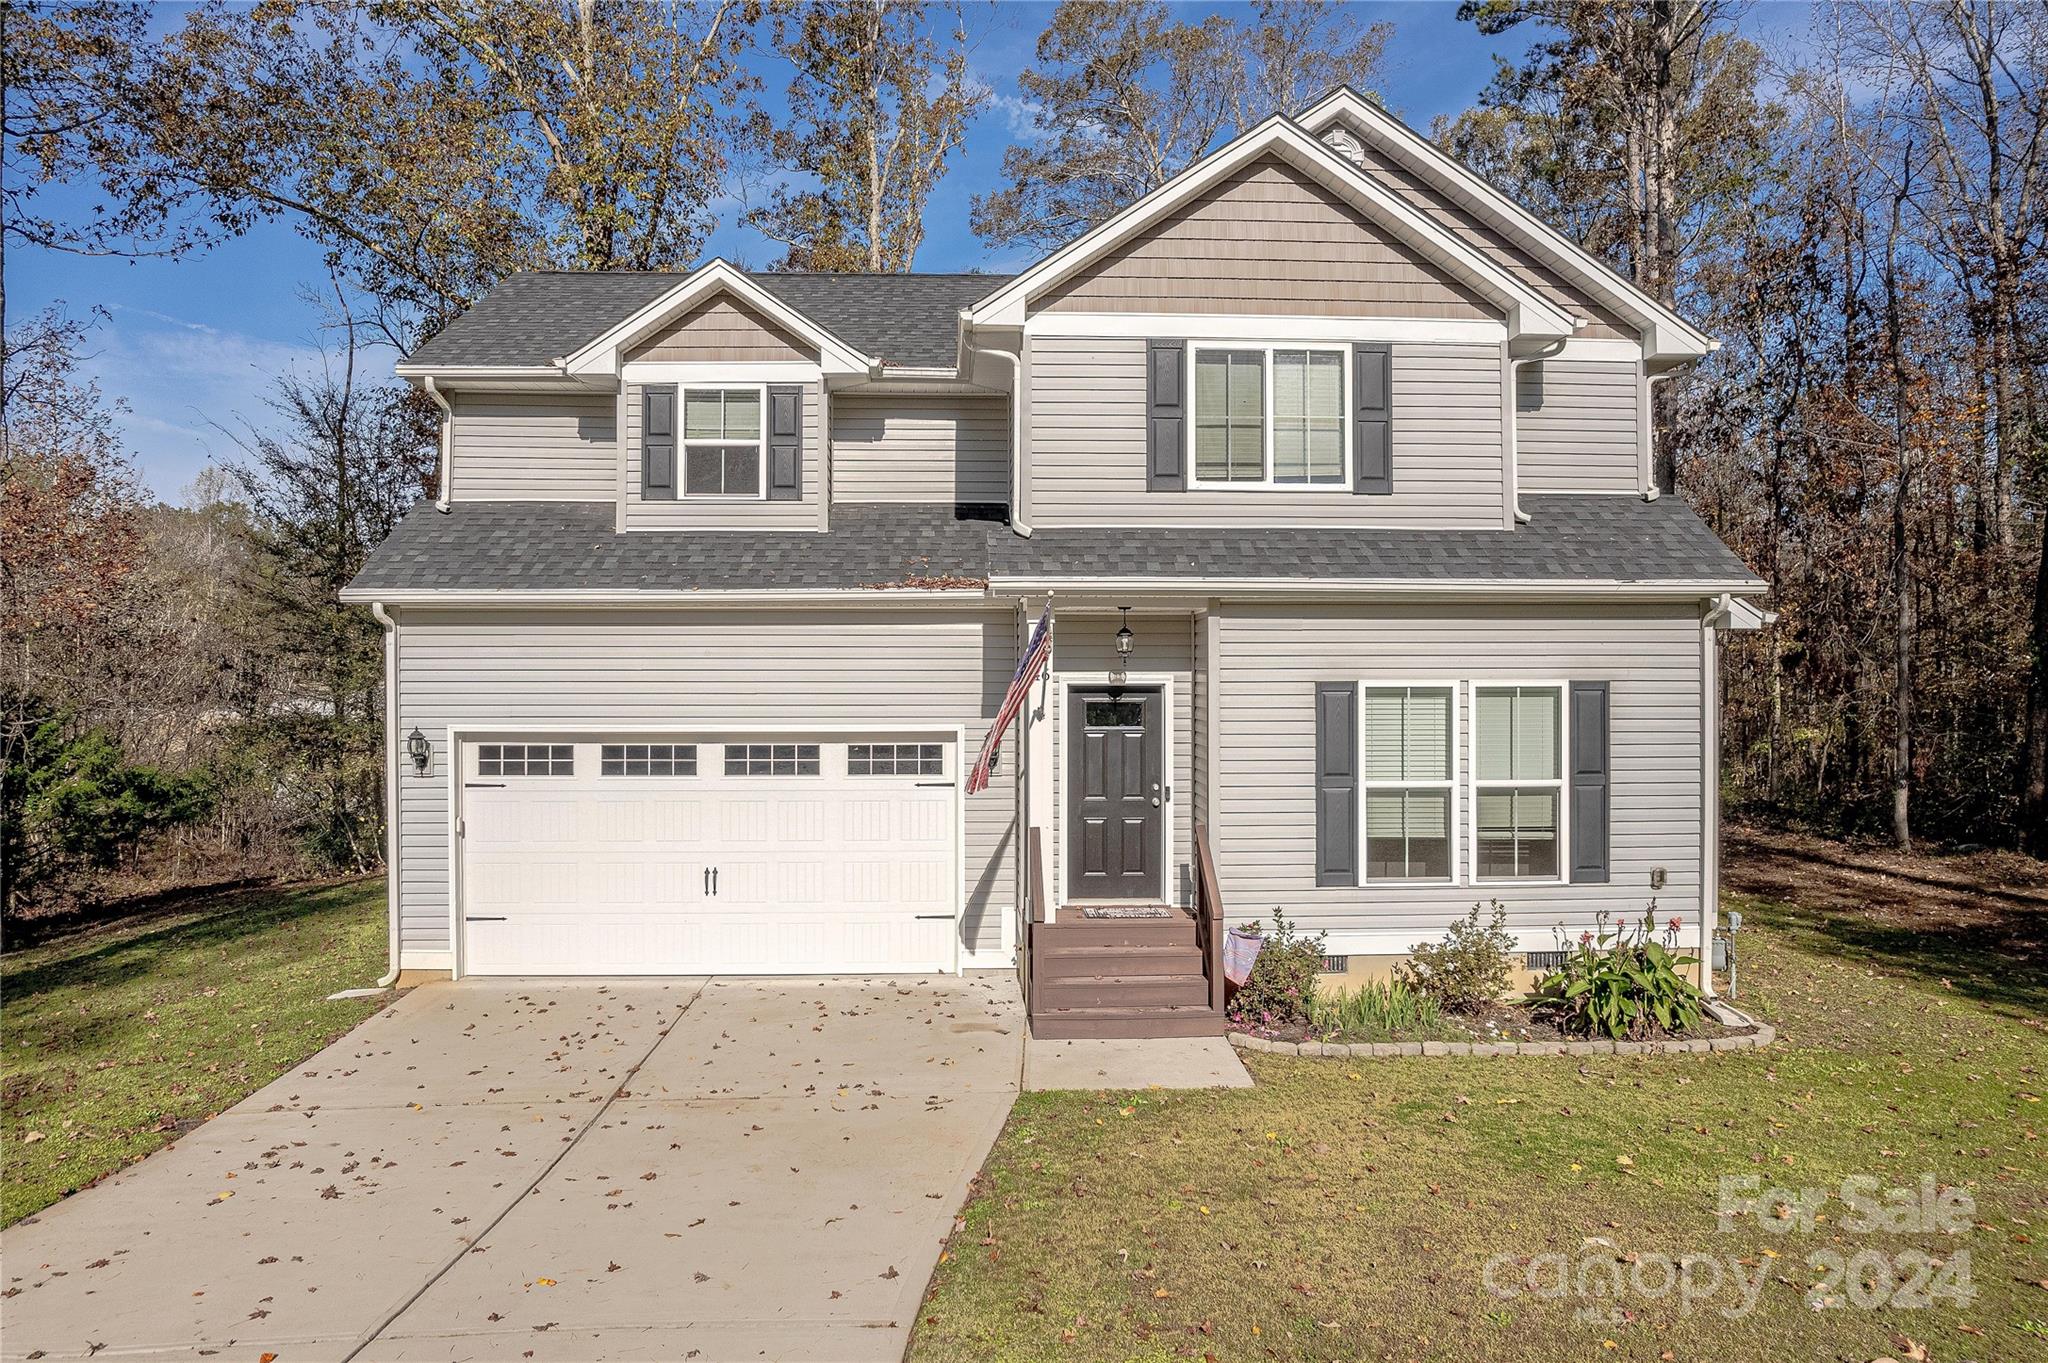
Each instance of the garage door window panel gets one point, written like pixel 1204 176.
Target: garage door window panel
pixel 771 759
pixel 895 759
pixel 648 759
pixel 525 759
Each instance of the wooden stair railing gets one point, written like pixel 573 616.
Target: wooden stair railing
pixel 1209 917
pixel 1034 892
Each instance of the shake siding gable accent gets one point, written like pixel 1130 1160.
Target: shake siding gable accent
pixel 1166 419
pixel 920 449
pixel 1532 271
pixel 721 330
pixel 538 447
pixel 1336 783
pixel 654 670
pixel 1577 426
pixel 1372 402
pixel 785 437
pixel 644 513
pixel 1271 240
pixel 1090 416
pixel 1590 811
pixel 1270 659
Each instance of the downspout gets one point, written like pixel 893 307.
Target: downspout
pixel 1515 424
pixel 390 782
pixel 1710 788
pixel 1650 489
pixel 447 431
pixel 1016 365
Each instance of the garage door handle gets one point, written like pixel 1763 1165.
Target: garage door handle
pixel 707 881
pixel 948 785
pixel 472 918
pixel 945 916
pixel 483 785
pixel 714 882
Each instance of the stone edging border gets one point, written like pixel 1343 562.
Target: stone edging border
pixel 1763 1034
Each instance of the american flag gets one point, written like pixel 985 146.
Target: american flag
pixel 1028 668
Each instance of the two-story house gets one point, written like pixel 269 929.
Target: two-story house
pixel 1330 467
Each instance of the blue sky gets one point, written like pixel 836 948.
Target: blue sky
pixel 191 345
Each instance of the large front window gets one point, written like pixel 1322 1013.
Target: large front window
pixel 1269 416
pixel 1517 762
pixel 1409 780
pixel 722 443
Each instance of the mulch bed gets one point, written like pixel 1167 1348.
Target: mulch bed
pixel 1499 1022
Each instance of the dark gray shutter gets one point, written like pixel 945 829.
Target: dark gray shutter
pixel 658 442
pixel 1336 783
pixel 1166 416
pixel 1372 417
pixel 786 443
pixel 1589 783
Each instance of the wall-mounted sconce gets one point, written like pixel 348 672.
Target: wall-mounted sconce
pixel 419 750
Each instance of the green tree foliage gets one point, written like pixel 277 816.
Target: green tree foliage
pixel 880 104
pixel 1126 95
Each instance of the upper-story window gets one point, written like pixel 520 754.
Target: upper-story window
pixel 1270 416
pixel 722 454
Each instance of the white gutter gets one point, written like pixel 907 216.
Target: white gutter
pixel 390 783
pixel 1016 363
pixel 1282 589
pixel 1710 796
pixel 447 433
pixel 849 596
pixel 1515 425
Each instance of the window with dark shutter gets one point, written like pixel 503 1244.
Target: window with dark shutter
pixel 1590 783
pixel 1336 783
pixel 1166 417
pixel 658 442
pixel 1372 417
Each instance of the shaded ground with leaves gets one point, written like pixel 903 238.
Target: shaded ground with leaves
pixel 118 1036
pixel 1348 1209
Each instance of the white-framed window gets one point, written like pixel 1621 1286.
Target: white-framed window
pixel 724 447
pixel 1273 416
pixel 1518 805
pixel 1408 731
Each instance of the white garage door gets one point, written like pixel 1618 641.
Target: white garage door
pixel 642 856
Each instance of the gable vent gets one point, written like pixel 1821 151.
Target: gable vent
pixel 1345 145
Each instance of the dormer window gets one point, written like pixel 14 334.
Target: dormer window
pixel 1270 416
pixel 722 443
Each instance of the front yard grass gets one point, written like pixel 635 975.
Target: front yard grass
pixel 115 1036
pixel 1349 1209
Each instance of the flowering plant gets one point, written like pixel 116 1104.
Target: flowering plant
pixel 1281 992
pixel 1622 982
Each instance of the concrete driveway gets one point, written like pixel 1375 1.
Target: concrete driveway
pixel 707 1169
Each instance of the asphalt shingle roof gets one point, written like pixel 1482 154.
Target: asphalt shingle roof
pixel 535 318
pixel 572 546
pixel 1568 538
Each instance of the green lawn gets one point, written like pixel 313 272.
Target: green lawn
pixel 113 1037
pixel 1348 1210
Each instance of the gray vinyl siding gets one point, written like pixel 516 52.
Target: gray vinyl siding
pixel 1584 437
pixel 525 670
pixel 1087 466
pixel 1263 831
pixel 920 449
pixel 1085 645
pixel 532 447
pixel 722 513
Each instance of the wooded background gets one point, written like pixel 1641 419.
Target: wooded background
pixel 1861 224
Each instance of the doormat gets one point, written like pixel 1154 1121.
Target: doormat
pixel 1128 911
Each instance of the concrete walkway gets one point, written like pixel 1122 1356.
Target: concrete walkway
pixel 714 1169
pixel 1187 1062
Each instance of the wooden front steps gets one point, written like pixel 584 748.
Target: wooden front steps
pixel 1120 977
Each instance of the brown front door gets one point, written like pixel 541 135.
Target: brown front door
pixel 1115 802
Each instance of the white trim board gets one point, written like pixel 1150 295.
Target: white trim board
pixel 1213 326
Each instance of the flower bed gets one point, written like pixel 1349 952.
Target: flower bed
pixel 1730 1030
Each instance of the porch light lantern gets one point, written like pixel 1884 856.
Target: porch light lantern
pixel 419 750
pixel 1124 638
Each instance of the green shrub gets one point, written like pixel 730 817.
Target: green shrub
pixel 1469 968
pixel 1389 1010
pixel 1281 991
pixel 1622 983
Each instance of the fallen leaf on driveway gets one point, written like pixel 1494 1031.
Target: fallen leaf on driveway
pixel 891 1273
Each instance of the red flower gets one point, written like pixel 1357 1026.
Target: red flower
pixel 1674 925
pixel 1585 939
